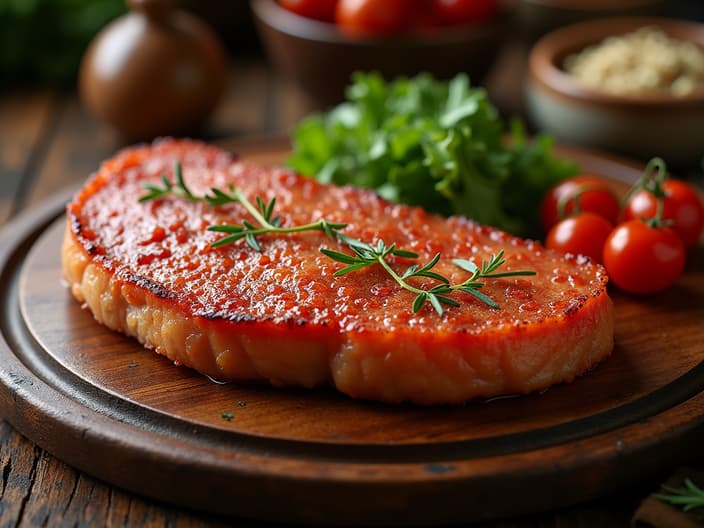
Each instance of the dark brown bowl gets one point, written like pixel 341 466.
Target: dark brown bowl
pixel 642 125
pixel 321 59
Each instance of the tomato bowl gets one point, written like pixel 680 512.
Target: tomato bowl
pixel 320 57
pixel 641 125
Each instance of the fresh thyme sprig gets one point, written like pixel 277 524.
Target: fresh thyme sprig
pixel 366 255
pixel 262 212
pixel 688 497
pixel 169 189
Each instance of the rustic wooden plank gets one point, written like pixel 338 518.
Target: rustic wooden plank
pixel 89 504
pixel 24 121
pixel 18 461
pixel 258 102
pixel 53 488
pixel 288 104
pixel 76 148
pixel 36 489
pixel 243 108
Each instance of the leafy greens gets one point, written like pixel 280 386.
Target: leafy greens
pixel 439 145
pixel 43 40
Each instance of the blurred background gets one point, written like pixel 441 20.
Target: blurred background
pixel 80 79
pixel 42 41
pixel 226 70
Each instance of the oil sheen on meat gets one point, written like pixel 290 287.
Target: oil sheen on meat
pixel 281 316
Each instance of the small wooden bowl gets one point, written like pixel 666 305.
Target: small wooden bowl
pixel 643 125
pixel 320 58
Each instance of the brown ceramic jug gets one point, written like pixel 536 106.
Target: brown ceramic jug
pixel 154 71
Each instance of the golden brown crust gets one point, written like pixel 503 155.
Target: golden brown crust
pixel 392 369
pixel 357 333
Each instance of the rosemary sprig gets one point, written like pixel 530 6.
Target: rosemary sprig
pixel 688 497
pixel 169 189
pixel 366 255
pixel 262 212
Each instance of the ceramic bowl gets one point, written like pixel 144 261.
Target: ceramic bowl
pixel 320 58
pixel 641 126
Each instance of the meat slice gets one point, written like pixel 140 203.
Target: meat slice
pixel 281 316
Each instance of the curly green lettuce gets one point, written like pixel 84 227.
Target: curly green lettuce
pixel 438 145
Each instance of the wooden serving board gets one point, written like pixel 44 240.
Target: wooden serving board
pixel 102 403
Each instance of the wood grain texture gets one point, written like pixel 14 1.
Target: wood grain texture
pixel 67 161
pixel 26 118
pixel 134 419
pixel 70 498
pixel 246 107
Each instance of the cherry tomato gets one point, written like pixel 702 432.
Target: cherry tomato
pixel 372 17
pixel 643 259
pixel 318 9
pixel 582 234
pixel 463 12
pixel 599 200
pixel 682 206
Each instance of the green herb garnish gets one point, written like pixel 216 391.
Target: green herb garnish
pixel 227 416
pixel 262 212
pixel 366 255
pixel 438 145
pixel 688 497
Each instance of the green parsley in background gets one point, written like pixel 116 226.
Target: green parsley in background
pixel 439 145
pixel 43 40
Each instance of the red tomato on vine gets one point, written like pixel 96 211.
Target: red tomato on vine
pixel 682 206
pixel 641 258
pixel 589 192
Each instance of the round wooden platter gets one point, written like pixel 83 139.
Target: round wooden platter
pixel 102 403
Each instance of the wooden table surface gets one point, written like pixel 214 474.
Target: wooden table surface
pixel 48 142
